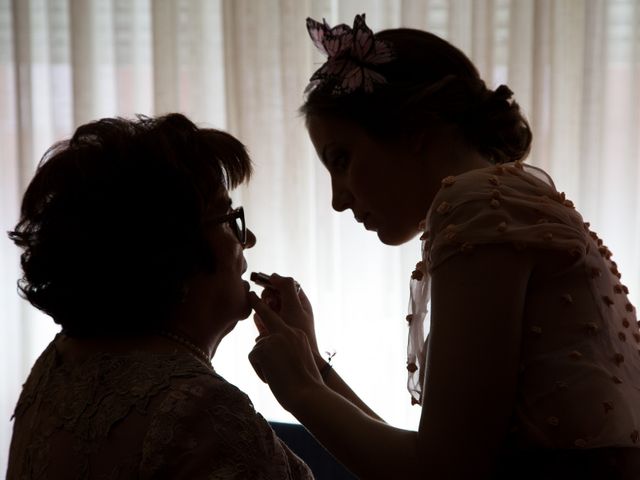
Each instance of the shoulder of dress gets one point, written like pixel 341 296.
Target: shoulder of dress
pixel 40 372
pixel 477 179
pixel 492 182
pixel 214 392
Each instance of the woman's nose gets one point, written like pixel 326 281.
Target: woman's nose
pixel 251 239
pixel 341 199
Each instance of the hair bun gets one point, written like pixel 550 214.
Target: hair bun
pixel 497 127
pixel 503 93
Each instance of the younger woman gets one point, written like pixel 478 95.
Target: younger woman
pixel 531 369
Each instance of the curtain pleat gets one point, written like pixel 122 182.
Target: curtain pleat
pixel 620 160
pixel 133 57
pixel 521 53
pixel 92 59
pixel 482 38
pixel 166 71
pixel 539 115
pixel 591 147
pixel 566 67
pixel 460 24
pixel 22 70
pixel 11 175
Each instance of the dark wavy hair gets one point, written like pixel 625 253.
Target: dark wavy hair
pixel 428 81
pixel 111 223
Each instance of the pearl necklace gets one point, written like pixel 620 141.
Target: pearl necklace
pixel 194 349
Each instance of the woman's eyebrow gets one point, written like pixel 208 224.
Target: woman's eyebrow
pixel 323 153
pixel 229 203
pixel 222 202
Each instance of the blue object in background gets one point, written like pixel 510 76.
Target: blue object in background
pixel 302 443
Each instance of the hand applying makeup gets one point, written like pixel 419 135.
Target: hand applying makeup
pixel 284 296
pixel 283 356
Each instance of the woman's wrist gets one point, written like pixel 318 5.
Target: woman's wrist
pixel 314 346
pixel 324 367
pixel 325 371
pixel 299 404
pixel 321 363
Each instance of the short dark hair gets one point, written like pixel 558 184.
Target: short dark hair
pixel 430 80
pixel 111 223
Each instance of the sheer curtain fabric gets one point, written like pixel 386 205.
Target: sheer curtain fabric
pixel 241 65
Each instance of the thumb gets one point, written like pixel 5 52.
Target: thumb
pixel 262 328
pixel 270 319
pixel 288 288
pixel 254 359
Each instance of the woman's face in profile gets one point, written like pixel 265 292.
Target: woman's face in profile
pixel 382 182
pixel 225 285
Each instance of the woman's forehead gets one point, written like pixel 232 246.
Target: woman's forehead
pixel 325 129
pixel 220 203
pixel 328 124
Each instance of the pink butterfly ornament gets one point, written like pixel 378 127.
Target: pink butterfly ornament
pixel 350 52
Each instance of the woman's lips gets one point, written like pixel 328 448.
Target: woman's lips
pixel 366 222
pixel 364 219
pixel 361 219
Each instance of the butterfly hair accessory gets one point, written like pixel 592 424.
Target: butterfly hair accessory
pixel 352 55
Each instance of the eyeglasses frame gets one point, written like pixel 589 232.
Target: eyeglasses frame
pixel 236 213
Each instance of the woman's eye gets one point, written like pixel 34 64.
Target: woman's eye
pixel 339 162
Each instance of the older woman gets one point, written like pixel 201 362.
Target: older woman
pixel 132 245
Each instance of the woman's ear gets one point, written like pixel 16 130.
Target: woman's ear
pixel 421 140
pixel 437 135
pixel 432 129
pixel 417 141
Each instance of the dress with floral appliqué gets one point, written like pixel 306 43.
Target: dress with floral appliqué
pixel 579 381
pixel 140 416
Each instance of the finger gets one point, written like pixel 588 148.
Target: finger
pixel 304 301
pixel 254 360
pixel 260 356
pixel 269 293
pixel 288 289
pixel 262 328
pixel 270 319
pixel 272 298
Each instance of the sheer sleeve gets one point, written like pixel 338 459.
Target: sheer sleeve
pixel 514 205
pixel 209 429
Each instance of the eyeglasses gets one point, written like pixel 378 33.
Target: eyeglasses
pixel 236 222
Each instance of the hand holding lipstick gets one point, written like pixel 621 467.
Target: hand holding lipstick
pixel 284 296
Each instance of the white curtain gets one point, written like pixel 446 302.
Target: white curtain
pixel 241 65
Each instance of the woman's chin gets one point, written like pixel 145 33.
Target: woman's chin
pixel 245 313
pixel 395 239
pixel 246 308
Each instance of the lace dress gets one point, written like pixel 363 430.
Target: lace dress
pixel 579 382
pixel 141 415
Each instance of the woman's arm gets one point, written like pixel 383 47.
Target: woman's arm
pixel 477 310
pixel 477 307
pixel 368 447
pixel 339 386
pixel 291 303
